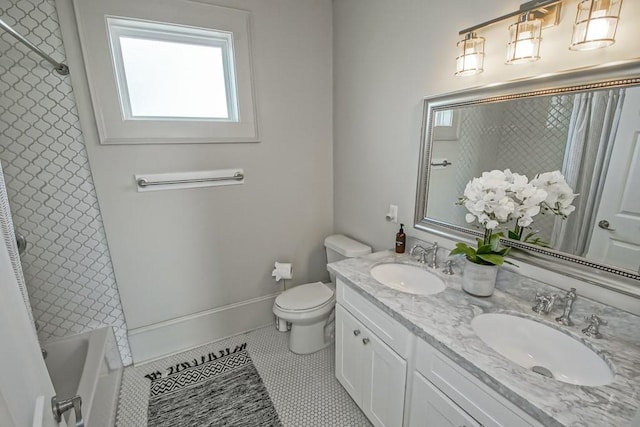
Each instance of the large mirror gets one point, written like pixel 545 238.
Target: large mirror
pixel 584 124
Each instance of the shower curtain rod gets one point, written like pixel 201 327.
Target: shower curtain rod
pixel 61 68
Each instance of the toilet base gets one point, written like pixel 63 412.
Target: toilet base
pixel 307 339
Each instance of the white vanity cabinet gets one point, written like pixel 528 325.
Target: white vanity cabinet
pixel 443 394
pixel 430 407
pixel 371 352
pixel 381 365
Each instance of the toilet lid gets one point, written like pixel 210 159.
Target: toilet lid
pixel 305 297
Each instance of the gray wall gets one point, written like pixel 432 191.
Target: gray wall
pixel 201 259
pixel 67 265
pixel 217 245
pixel 387 57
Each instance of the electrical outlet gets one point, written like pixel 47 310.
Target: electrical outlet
pixel 392 215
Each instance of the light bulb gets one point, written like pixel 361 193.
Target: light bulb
pixel 470 57
pixel 597 29
pixel 524 48
pixel 596 24
pixel 524 44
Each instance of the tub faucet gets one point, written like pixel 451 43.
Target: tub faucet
pixel 569 298
pixel 423 254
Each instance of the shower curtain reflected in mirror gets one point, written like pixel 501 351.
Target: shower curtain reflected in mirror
pixel 592 132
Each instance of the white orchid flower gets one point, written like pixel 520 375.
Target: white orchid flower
pixel 559 194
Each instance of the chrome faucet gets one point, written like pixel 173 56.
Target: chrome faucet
pixel 593 329
pixel 544 303
pixel 423 254
pixel 569 298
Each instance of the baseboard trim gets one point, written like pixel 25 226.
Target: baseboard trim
pixel 184 333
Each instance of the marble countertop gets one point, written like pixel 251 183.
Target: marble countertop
pixel 444 321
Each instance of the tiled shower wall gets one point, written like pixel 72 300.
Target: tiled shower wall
pixel 67 265
pixel 496 136
pixel 537 128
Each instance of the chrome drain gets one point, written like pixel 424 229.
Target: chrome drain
pixel 542 371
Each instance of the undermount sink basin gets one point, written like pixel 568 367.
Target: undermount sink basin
pixel 542 349
pixel 407 278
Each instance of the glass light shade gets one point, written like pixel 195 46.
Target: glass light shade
pixel 470 59
pixel 525 37
pixel 596 24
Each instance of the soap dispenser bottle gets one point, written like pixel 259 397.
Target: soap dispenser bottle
pixel 401 240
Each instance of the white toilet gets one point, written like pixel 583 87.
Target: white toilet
pixel 308 308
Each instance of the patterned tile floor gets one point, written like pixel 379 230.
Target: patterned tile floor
pixel 303 389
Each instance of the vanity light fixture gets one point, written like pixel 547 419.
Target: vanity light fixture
pixel 596 24
pixel 524 39
pixel 524 45
pixel 470 57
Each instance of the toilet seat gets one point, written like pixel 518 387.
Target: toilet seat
pixel 308 297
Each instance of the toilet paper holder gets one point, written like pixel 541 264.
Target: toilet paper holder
pixel 282 271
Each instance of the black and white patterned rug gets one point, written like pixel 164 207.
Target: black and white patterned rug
pixel 218 389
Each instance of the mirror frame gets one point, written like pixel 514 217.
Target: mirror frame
pixel 621 74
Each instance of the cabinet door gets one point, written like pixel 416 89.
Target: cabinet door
pixel 349 351
pixel 383 382
pixel 432 408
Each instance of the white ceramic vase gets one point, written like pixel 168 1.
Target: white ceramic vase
pixel 479 280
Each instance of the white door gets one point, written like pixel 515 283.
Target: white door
pixel 24 379
pixel 432 408
pixel 617 241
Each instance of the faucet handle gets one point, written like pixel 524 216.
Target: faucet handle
pixel 541 302
pixel 544 303
pixel 413 249
pixel 593 329
pixel 448 267
pixel 594 319
pixel 552 300
pixel 422 259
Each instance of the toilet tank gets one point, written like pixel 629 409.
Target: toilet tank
pixel 340 247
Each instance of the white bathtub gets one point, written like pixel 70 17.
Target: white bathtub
pixel 88 365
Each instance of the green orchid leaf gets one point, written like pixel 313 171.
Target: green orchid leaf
pixel 463 246
pixel 463 249
pixel 457 251
pixel 493 259
pixel 485 249
pixel 513 235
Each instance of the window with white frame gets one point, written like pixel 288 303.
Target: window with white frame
pixel 160 74
pixel 173 72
